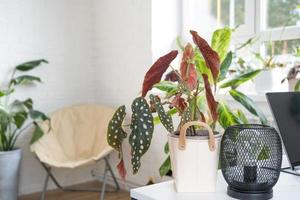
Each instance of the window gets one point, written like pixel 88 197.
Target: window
pixel 269 20
pixel 275 25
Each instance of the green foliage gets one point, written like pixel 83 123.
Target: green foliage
pixel 242 116
pixel 196 103
pixel 235 82
pixel 164 117
pixel 226 116
pixel 297 86
pixel 165 167
pixel 221 41
pixel 20 118
pixel 186 116
pixel 142 128
pixel 285 15
pixel 201 66
pixel 30 65
pixel 25 79
pixel 166 148
pixel 249 105
pixel 170 112
pixel 225 66
pixel 37 133
pixel 6 92
pixel 264 153
pixel 166 86
pixel 115 132
pixel 15 115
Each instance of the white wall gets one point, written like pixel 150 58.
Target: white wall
pixel 138 33
pixel 124 54
pixel 63 33
pixel 99 51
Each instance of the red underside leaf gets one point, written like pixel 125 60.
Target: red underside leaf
pixel 211 57
pixel 156 71
pixel 187 67
pixel 179 103
pixel 212 104
pixel 121 169
pixel 172 76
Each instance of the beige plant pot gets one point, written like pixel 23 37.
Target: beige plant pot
pixel 194 160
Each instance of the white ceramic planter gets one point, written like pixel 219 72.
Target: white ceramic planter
pixel 10 162
pixel 195 166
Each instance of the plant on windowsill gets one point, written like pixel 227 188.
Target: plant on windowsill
pixel 292 77
pixel 267 63
pixel 192 92
pixel 14 120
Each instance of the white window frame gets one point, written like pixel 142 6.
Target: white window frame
pixel 254 24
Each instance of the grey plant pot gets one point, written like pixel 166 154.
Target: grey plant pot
pixel 10 162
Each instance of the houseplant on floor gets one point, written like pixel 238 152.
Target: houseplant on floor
pixel 190 92
pixel 13 121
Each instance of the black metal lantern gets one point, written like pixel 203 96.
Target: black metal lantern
pixel 251 156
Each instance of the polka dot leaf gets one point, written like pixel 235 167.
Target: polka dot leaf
pixel 115 132
pixel 165 118
pixel 186 116
pixel 142 127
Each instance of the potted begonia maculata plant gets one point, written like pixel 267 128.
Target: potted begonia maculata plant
pixel 190 93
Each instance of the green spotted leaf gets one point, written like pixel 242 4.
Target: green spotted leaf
pixel 186 116
pixel 142 127
pixel 115 132
pixel 171 112
pixel 164 117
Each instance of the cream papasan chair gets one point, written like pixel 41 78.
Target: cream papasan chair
pixel 76 137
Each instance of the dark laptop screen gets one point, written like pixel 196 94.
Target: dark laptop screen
pixel 285 107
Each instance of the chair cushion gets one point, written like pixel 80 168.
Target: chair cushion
pixel 77 136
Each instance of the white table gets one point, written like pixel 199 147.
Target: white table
pixel 287 188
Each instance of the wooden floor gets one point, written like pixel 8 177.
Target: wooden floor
pixel 62 195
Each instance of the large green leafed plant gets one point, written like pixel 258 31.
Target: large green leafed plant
pixel 190 92
pixel 15 113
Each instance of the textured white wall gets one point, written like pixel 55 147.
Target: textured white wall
pixel 61 31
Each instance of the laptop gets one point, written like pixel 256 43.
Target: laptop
pixel 285 107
